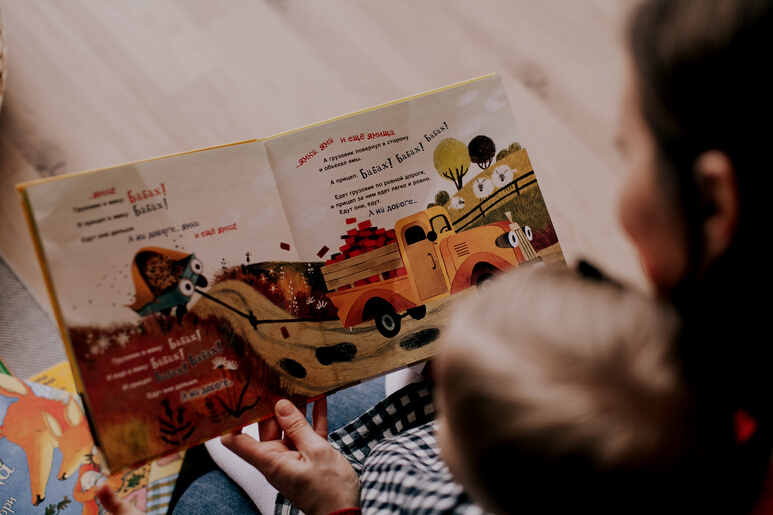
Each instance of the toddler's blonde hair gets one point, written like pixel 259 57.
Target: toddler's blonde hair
pixel 565 388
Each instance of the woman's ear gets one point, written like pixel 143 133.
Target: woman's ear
pixel 716 180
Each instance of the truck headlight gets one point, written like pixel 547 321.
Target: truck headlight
pixel 508 240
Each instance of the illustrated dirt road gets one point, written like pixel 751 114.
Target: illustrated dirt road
pixel 316 357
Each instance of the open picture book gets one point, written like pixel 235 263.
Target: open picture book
pixel 195 290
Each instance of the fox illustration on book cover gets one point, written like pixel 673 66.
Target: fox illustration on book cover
pixel 39 425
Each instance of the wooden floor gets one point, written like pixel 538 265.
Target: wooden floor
pixel 93 83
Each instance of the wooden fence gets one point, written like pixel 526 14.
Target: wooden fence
pixel 493 200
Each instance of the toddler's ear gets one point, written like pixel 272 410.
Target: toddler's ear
pixel 590 271
pixel 716 179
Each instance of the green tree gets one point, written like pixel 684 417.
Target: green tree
pixel 452 160
pixel 514 147
pixel 442 198
pixel 482 150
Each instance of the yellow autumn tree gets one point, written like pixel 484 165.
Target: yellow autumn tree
pixel 452 160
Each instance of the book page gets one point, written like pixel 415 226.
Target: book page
pixel 378 165
pixel 150 264
pixel 220 204
pixel 379 197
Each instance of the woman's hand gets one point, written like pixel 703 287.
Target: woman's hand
pixel 303 466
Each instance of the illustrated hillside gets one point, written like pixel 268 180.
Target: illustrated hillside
pixel 507 185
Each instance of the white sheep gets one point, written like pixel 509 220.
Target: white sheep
pixel 482 187
pixel 502 176
pixel 457 203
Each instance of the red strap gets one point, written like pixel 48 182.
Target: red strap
pixel 348 511
pixel 745 426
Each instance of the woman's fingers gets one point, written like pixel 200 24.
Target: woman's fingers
pixel 295 427
pixel 319 417
pixel 315 477
pixel 269 430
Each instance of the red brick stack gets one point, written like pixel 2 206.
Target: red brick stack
pixel 365 238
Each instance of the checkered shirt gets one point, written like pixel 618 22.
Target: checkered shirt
pixel 392 448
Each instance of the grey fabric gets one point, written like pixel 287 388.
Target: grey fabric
pixel 29 338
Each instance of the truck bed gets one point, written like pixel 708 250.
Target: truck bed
pixel 362 267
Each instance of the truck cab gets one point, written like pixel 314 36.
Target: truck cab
pixel 441 261
pixel 418 237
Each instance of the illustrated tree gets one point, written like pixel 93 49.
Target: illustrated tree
pixel 452 160
pixel 441 199
pixel 514 147
pixel 482 150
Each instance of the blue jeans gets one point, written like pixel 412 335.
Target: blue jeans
pixel 214 492
pixel 346 405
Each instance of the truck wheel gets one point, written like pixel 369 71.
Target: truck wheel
pixel 418 312
pixel 387 322
pixel 485 281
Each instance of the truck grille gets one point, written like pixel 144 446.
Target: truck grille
pixel 461 249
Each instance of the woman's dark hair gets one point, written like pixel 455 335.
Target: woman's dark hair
pixel 704 84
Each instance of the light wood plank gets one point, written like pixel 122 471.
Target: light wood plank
pixel 93 83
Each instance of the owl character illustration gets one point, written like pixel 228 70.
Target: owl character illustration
pixel 165 280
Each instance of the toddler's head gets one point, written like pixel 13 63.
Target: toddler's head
pixel 560 391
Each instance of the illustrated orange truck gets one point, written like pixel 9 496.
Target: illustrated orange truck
pixel 427 262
